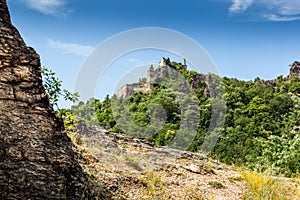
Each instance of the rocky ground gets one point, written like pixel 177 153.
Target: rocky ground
pixel 123 167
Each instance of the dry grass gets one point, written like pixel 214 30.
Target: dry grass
pixel 195 193
pixel 216 184
pixel 264 187
pixel 76 139
pixel 132 162
pixel 123 171
pixel 154 185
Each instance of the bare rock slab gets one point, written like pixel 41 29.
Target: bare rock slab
pixel 37 160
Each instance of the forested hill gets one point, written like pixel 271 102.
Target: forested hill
pixel 262 118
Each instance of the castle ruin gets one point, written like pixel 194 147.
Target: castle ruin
pixel 153 76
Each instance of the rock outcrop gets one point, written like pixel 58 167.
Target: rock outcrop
pixel 202 81
pixel 37 160
pixel 295 70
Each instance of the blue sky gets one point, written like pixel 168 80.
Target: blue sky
pixel 244 38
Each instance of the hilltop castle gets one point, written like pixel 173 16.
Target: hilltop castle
pixel 153 75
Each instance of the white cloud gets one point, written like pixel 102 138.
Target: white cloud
pixel 71 48
pixel 277 18
pixel 283 7
pixel 272 10
pixel 49 7
pixel 239 6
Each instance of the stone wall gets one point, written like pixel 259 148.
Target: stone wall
pixel 37 158
pixel 153 75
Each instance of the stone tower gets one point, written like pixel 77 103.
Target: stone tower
pixel 150 78
pixel 162 62
pixel 162 69
pixel 184 65
pixel 36 156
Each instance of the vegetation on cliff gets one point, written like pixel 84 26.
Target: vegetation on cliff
pixel 261 122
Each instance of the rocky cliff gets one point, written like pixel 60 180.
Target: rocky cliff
pixel 294 70
pixel 36 156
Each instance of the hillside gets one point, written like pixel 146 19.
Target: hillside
pixel 249 123
pixel 123 167
pixel 130 168
pixel 260 132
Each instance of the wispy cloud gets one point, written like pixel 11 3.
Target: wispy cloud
pixel 272 10
pixel 278 18
pixel 71 48
pixel 48 7
pixel 239 6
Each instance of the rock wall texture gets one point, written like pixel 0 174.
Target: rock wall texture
pixel 37 160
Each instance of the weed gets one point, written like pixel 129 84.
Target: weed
pixel 131 161
pixel 235 178
pixel 194 193
pixel 216 184
pixel 208 167
pixel 179 173
pixel 76 139
pixel 153 184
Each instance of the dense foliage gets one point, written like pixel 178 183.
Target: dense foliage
pixel 260 128
pixel 259 122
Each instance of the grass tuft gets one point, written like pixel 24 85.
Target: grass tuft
pixel 264 187
pixel 216 184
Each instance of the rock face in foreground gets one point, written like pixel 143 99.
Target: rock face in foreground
pixel 36 156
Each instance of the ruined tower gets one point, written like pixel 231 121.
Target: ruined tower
pixel 162 62
pixel 150 78
pixel 184 66
pixel 162 69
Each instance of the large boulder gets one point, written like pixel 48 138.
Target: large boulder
pixel 37 160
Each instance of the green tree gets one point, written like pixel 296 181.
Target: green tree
pixel 104 113
pixel 53 87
